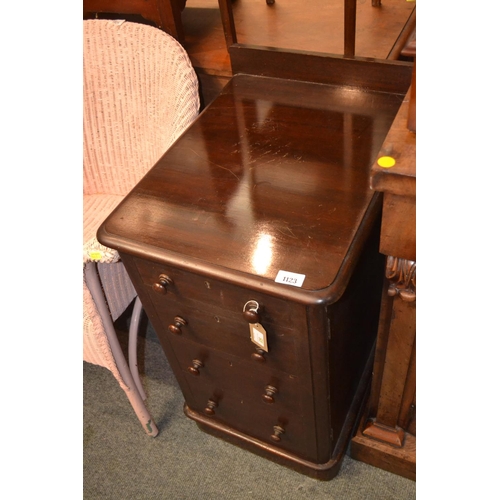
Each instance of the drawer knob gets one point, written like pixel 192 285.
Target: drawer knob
pixel 177 325
pixel 161 285
pixel 259 355
pixel 251 311
pixel 210 408
pixel 195 369
pixel 277 433
pixel 269 393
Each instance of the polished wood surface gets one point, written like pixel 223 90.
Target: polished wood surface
pixel 386 437
pixel 271 165
pixel 273 176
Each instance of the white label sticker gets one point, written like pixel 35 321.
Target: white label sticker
pixel 288 278
pixel 258 337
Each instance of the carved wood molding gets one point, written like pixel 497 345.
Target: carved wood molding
pixel 402 274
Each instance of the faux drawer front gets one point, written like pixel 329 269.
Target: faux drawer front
pixel 233 395
pixel 213 329
pixel 231 298
pixel 219 323
pixel 234 376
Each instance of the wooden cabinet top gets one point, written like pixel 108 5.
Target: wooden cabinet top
pixel 399 144
pixel 273 176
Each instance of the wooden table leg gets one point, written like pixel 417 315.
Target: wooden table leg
pixel 386 437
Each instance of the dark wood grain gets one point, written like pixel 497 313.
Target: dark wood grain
pixel 259 177
pixel 272 176
pixel 384 76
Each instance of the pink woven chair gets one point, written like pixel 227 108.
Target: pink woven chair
pixel 140 94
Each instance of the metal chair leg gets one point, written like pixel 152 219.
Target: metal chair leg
pixel 132 345
pixel 133 393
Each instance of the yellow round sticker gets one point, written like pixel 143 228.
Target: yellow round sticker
pixel 386 162
pixel 95 255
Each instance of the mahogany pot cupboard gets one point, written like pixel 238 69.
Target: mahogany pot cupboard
pixel 253 245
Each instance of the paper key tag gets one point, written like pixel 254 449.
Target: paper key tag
pixel 258 335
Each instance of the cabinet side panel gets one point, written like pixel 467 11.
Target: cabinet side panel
pixel 318 325
pixel 353 323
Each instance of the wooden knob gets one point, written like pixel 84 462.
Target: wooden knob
pixel 251 316
pixel 161 285
pixel 277 433
pixel 258 356
pixel 177 325
pixel 195 369
pixel 269 393
pixel 251 311
pixel 210 408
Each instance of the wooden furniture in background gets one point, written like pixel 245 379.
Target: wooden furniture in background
pixel 303 65
pixel 230 31
pixel 401 48
pixel 205 43
pixel 165 14
pixel 386 437
pixel 410 50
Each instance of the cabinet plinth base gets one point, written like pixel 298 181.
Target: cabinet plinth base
pixel 323 472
